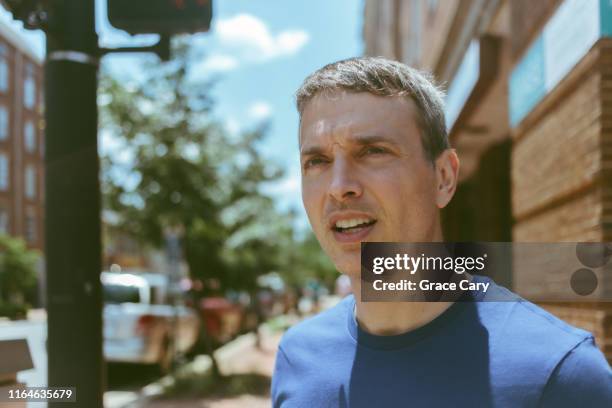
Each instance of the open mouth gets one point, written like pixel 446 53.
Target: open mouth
pixel 352 225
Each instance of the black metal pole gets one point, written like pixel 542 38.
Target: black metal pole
pixel 72 207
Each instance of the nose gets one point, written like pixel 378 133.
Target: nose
pixel 344 182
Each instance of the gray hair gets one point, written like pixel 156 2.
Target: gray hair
pixel 383 77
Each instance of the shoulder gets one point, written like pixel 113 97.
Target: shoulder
pixel 582 377
pixel 316 339
pixel 542 354
pixel 528 339
pixel 318 329
pixel 523 322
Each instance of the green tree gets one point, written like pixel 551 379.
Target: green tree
pixel 305 260
pixel 17 276
pixel 184 170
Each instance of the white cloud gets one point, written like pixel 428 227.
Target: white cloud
pixel 217 63
pixel 259 111
pixel 252 39
pixel 244 39
pixel 290 42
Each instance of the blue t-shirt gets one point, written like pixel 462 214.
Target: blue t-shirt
pixel 475 354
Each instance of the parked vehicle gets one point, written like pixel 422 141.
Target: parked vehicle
pixel 140 325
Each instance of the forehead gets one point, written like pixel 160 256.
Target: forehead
pixel 340 115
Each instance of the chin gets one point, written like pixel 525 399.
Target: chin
pixel 346 259
pixel 349 267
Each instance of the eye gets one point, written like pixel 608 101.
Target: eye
pixel 314 162
pixel 373 150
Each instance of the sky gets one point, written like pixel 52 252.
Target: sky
pixel 261 50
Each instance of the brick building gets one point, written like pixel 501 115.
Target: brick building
pixel 21 139
pixel 529 110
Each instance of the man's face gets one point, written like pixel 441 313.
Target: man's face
pixel 365 176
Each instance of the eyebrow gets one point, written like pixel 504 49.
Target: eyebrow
pixel 358 140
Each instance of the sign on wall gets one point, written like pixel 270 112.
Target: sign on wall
pixel 565 39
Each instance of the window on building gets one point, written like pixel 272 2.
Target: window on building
pixel 30 228
pixel 3 75
pixel 4 81
pixel 4 123
pixel 29 88
pixel 30 181
pixel 4 172
pixel 4 221
pixel 4 69
pixel 29 136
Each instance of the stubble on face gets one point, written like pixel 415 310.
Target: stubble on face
pixel 362 159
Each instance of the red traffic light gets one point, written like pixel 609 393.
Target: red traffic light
pixel 160 16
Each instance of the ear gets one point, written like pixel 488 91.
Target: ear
pixel 447 173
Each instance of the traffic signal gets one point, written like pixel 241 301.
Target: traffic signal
pixel 160 16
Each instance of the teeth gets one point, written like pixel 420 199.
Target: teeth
pixel 351 222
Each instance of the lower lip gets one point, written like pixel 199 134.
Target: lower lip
pixel 353 236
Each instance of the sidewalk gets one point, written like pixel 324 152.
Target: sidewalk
pixel 245 367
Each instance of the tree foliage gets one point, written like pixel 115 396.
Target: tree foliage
pixel 304 260
pixel 17 276
pixel 178 167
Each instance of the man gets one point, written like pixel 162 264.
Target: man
pixel 377 166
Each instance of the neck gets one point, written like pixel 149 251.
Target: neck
pixel 390 318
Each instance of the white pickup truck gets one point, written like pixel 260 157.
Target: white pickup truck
pixel 139 324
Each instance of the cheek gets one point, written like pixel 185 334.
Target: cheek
pixel 387 186
pixel 403 193
pixel 418 206
pixel 312 195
